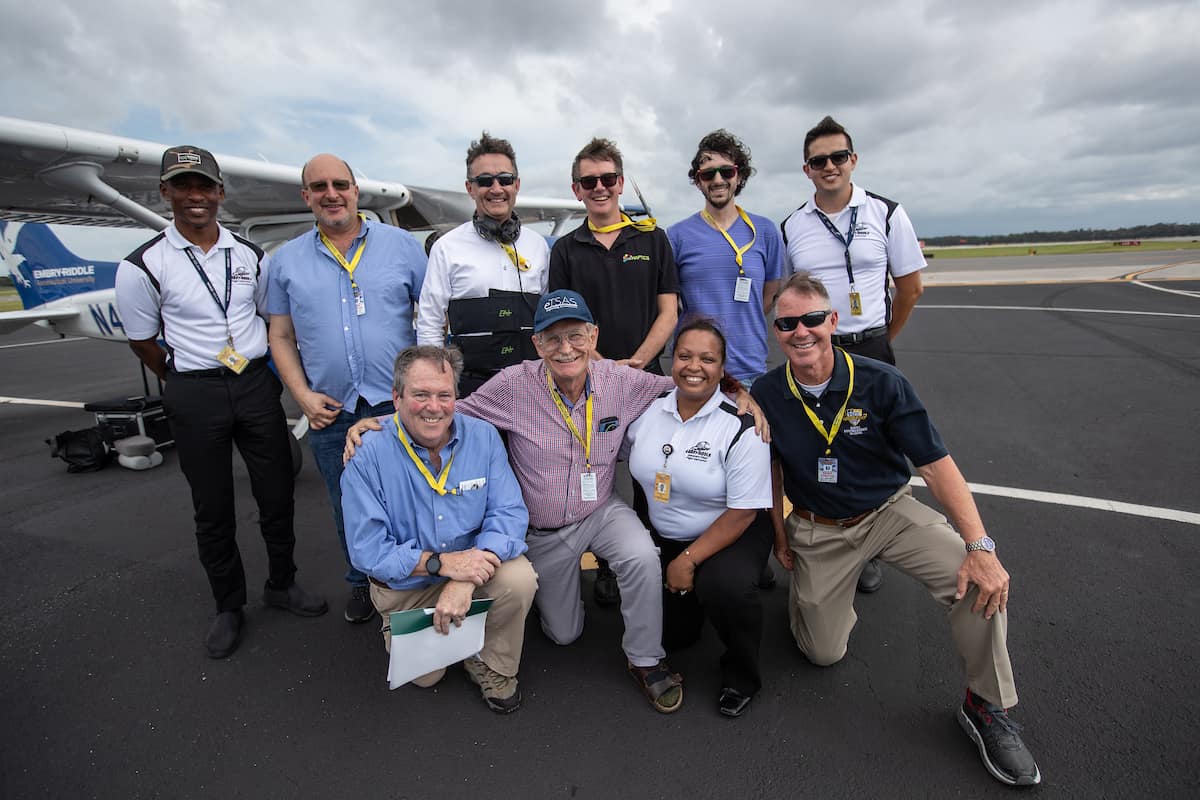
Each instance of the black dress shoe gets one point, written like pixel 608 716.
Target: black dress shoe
pixel 732 702
pixel 295 600
pixel 224 634
pixel 871 577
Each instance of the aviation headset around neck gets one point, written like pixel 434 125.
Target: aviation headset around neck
pixel 506 232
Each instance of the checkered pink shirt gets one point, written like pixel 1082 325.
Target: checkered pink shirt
pixel 546 457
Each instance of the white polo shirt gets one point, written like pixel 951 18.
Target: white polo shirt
pixel 158 288
pixel 462 264
pixel 884 242
pixel 717 462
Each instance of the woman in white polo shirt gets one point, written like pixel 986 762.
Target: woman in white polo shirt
pixel 707 477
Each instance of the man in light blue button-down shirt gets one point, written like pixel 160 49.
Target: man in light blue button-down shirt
pixel 341 300
pixel 435 517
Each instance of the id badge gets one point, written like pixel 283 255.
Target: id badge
pixel 232 359
pixel 741 290
pixel 662 487
pixel 826 470
pixel 360 305
pixel 855 304
pixel 587 486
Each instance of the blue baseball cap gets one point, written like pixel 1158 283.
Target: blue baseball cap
pixel 559 305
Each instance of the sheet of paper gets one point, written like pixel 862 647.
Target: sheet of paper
pixel 417 648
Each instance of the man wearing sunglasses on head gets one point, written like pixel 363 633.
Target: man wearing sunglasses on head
pixel 622 267
pixel 853 241
pixel 730 261
pixel 843 430
pixel 341 302
pixel 485 276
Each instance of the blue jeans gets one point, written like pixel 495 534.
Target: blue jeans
pixel 327 445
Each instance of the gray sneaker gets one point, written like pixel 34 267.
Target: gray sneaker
pixel 501 693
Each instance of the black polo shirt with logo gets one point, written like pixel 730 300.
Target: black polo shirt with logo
pixel 621 284
pixel 885 422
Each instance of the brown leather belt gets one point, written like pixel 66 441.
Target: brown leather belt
pixel 381 584
pixel 845 522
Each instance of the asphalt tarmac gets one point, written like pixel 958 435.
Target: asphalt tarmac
pixel 105 689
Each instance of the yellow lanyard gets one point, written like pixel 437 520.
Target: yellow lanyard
pixel 518 260
pixel 813 418
pixel 566 415
pixel 352 264
pixel 439 485
pixel 738 252
pixel 644 225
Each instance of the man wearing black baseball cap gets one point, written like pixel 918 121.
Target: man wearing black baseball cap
pixel 204 291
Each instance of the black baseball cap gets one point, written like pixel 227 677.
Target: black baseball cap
pixel 186 158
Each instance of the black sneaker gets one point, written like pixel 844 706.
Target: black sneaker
pixel 359 607
pixel 999 741
pixel 224 634
pixel 605 590
pixel 871 577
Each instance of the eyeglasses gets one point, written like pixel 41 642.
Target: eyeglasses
pixel 728 172
pixel 609 179
pixel 812 319
pixel 340 185
pixel 486 180
pixel 576 339
pixel 838 158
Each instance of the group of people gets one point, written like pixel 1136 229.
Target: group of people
pixel 528 374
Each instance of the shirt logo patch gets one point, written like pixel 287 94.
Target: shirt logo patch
pixel 700 451
pixel 862 229
pixel 625 259
pixel 856 416
pixel 241 274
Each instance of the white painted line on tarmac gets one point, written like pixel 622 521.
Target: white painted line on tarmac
pixel 1073 310
pixel 47 341
pixel 1079 501
pixel 30 401
pixel 1183 292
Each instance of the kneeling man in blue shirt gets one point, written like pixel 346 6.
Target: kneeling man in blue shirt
pixel 434 517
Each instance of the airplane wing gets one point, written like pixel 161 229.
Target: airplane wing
pixel 15 320
pixel 50 173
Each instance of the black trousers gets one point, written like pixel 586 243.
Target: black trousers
pixel 726 593
pixel 879 348
pixel 209 412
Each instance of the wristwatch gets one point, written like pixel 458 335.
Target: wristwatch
pixel 433 564
pixel 987 544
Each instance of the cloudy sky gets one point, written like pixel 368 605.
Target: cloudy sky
pixel 978 117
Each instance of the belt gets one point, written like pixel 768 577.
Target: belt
pixel 215 372
pixel 844 522
pixel 381 584
pixel 861 336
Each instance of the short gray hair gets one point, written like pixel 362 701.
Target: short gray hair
pixel 806 284
pixel 426 352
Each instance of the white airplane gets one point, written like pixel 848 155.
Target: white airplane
pixel 54 174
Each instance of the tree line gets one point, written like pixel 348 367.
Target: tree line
pixel 1158 230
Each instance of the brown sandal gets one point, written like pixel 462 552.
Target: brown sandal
pixel 663 688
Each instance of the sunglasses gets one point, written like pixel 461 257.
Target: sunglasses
pixel 728 172
pixel 486 180
pixel 609 179
pixel 812 319
pixel 838 158
pixel 316 187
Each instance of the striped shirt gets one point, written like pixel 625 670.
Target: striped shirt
pixel 545 455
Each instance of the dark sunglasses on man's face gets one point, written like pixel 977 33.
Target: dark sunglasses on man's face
pixel 728 172
pixel 486 180
pixel 316 187
pixel 812 319
pixel 609 179
pixel 838 158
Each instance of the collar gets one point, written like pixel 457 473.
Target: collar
pixel 712 404
pixel 838 382
pixel 584 235
pixel 421 449
pixel 858 196
pixel 366 225
pixel 176 240
pixel 587 390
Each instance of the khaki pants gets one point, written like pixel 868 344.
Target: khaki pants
pixel 511 588
pixel 914 539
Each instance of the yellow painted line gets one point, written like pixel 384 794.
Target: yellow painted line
pixel 1135 275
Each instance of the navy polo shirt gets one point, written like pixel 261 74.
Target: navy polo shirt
pixel 885 422
pixel 620 284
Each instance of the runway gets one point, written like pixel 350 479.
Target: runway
pixel 107 692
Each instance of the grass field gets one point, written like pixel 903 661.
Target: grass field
pixel 1056 249
pixel 8 299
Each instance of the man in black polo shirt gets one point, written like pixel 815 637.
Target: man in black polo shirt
pixel 841 428
pixel 626 273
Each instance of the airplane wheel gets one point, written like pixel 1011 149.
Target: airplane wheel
pixel 297 455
